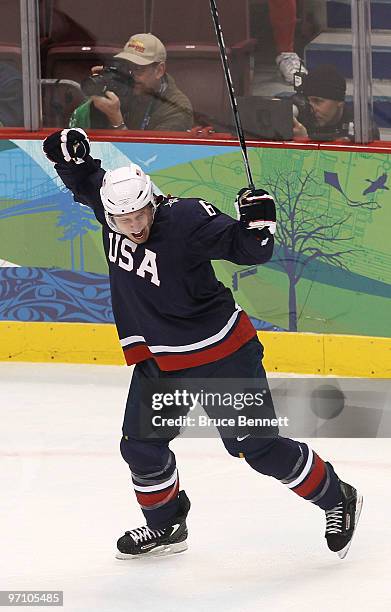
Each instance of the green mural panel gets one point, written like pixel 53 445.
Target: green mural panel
pixel 334 209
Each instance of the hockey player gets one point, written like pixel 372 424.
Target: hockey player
pixel 174 319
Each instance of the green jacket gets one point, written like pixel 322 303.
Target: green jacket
pixel 169 110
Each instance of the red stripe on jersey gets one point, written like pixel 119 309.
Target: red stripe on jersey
pixel 242 333
pixel 137 353
pixel 150 499
pixel 314 478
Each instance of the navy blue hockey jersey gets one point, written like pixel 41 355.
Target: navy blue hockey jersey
pixel 167 301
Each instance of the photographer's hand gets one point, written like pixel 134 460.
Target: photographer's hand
pixel 96 70
pixel 110 105
pixel 299 131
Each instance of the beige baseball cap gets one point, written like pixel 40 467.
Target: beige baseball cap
pixel 143 49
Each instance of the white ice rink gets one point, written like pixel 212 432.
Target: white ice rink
pixel 253 545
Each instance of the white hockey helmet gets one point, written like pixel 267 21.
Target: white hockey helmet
pixel 125 190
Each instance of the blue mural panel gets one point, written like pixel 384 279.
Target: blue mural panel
pixel 39 294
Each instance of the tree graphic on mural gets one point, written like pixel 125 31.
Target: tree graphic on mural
pixel 303 233
pixel 77 220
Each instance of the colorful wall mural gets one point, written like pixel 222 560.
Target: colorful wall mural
pixel 331 271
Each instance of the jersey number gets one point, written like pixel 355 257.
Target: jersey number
pixel 208 207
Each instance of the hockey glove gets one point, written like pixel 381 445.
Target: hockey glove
pixel 256 209
pixel 67 146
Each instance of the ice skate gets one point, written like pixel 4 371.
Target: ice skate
pixel 146 542
pixel 342 520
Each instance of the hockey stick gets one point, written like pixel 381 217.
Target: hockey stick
pixel 231 91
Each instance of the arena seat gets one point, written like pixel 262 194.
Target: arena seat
pixel 175 21
pixel 75 61
pixel 60 97
pixel 84 34
pixel 10 38
pixel 193 56
pixel 196 77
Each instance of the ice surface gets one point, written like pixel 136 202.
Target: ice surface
pixel 66 498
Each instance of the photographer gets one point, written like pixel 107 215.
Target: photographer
pixel 322 113
pixel 134 92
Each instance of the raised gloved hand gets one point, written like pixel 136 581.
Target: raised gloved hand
pixel 70 145
pixel 256 209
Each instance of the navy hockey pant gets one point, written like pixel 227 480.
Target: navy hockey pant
pixel 152 463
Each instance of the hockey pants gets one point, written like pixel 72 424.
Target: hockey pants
pixel 153 465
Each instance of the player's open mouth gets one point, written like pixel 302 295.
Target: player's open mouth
pixel 139 235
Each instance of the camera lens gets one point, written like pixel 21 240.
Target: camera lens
pixel 110 79
pixel 94 85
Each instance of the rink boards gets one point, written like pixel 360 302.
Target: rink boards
pixel 330 317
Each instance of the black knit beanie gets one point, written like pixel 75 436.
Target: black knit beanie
pixel 325 82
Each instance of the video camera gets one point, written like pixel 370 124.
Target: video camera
pixel 114 77
pixel 301 106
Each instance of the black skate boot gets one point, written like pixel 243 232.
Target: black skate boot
pixel 143 541
pixel 342 520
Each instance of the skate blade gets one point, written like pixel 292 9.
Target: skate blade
pixel 159 551
pixel 342 553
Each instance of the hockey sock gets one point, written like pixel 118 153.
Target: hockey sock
pixel 313 479
pixel 157 494
pixel 299 468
